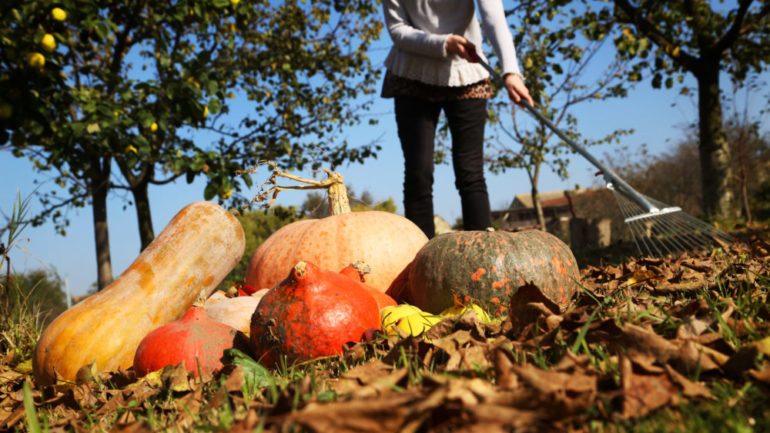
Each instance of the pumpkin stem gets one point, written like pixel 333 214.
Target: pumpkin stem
pixel 334 185
pixel 362 268
pixel 338 194
pixel 300 268
pixel 200 302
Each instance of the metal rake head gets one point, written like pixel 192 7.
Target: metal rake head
pixel 667 229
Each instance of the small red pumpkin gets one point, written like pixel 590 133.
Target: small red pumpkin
pixel 358 272
pixel 194 340
pixel 311 313
pixel 487 267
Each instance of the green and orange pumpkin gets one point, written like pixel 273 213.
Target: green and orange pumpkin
pixel 486 267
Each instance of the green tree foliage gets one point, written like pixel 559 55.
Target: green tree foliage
pixel 556 47
pixel 673 178
pixel 366 202
pixel 40 288
pixel 667 40
pixel 316 204
pixel 28 302
pixel 122 95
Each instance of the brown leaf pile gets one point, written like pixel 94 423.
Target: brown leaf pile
pixel 647 334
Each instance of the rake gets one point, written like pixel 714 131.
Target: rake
pixel 657 228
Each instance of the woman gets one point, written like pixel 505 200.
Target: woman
pixel 433 66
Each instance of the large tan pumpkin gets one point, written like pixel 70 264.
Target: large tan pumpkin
pixel 386 242
pixel 192 255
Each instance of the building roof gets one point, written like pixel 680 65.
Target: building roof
pixel 548 198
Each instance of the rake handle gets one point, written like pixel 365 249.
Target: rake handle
pixel 609 175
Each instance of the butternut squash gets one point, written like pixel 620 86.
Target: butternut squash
pixel 187 261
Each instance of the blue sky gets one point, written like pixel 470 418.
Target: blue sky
pixel 657 116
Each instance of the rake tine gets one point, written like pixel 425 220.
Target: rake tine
pixel 689 224
pixel 687 236
pixel 667 230
pixel 629 209
pixel 709 232
pixel 625 211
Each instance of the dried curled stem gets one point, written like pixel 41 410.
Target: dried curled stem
pixel 334 185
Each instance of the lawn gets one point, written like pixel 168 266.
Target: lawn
pixel 647 345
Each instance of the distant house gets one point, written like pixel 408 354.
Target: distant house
pixel 569 214
pixel 521 213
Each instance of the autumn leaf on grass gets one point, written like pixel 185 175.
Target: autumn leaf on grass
pixel 132 427
pixel 371 379
pixel 255 375
pixel 560 393
pixel 176 378
pixel 747 356
pixel 643 393
pixel 687 355
pixel 688 387
pixel 382 414
pixel 465 351
pixel 528 304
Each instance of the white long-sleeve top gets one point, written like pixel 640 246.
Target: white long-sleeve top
pixel 419 30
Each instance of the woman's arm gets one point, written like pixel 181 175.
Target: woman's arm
pixel 496 30
pixel 409 38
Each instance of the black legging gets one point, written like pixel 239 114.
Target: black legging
pixel 417 120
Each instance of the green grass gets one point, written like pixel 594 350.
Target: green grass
pixel 739 404
pixel 735 410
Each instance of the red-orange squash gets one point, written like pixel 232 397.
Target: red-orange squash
pixel 187 261
pixel 487 267
pixel 195 340
pixel 358 271
pixel 387 242
pixel 311 313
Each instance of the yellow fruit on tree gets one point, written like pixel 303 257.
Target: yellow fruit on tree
pixel 58 14
pixel 528 63
pixel 48 42
pixel 35 60
pixel 235 2
pixel 153 127
pixel 205 112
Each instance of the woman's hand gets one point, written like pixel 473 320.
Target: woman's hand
pixel 516 89
pixel 459 46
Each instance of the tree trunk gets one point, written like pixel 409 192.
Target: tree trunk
pixel 714 148
pixel 100 188
pixel 745 198
pixel 538 209
pixel 536 198
pixel 143 214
